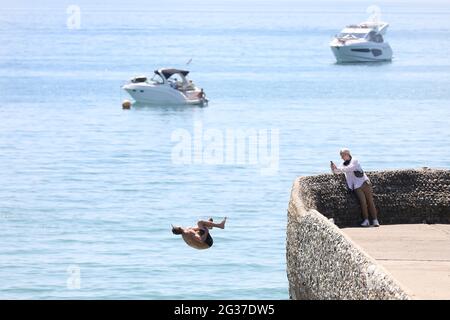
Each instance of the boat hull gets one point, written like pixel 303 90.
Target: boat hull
pixel 366 52
pixel 161 94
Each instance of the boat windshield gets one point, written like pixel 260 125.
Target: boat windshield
pixel 177 78
pixel 375 37
pixel 157 79
pixel 352 35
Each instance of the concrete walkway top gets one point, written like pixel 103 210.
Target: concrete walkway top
pixel 416 255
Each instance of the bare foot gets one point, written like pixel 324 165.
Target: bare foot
pixel 222 224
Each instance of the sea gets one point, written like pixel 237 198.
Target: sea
pixel 89 191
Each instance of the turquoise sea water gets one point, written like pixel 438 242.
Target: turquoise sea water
pixel 87 186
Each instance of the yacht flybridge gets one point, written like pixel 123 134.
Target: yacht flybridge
pixel 167 86
pixel 363 42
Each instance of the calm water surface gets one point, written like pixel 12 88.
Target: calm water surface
pixel 89 186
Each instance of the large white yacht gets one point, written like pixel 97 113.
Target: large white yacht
pixel 167 86
pixel 363 42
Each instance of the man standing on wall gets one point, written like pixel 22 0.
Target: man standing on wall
pixel 358 182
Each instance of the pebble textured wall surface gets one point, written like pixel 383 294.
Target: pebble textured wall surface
pixel 323 263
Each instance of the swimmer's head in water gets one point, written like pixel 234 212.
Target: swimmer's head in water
pixel 177 230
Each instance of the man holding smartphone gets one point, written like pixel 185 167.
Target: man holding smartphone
pixel 358 182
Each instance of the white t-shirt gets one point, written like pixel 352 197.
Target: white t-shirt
pixel 353 181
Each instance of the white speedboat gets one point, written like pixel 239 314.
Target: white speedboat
pixel 363 42
pixel 167 86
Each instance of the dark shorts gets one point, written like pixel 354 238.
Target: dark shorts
pixel 209 240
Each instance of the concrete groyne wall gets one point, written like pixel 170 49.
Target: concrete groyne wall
pixel 323 263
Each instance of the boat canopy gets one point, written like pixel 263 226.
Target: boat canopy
pixel 167 73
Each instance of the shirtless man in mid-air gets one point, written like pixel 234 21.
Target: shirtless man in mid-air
pixel 199 237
